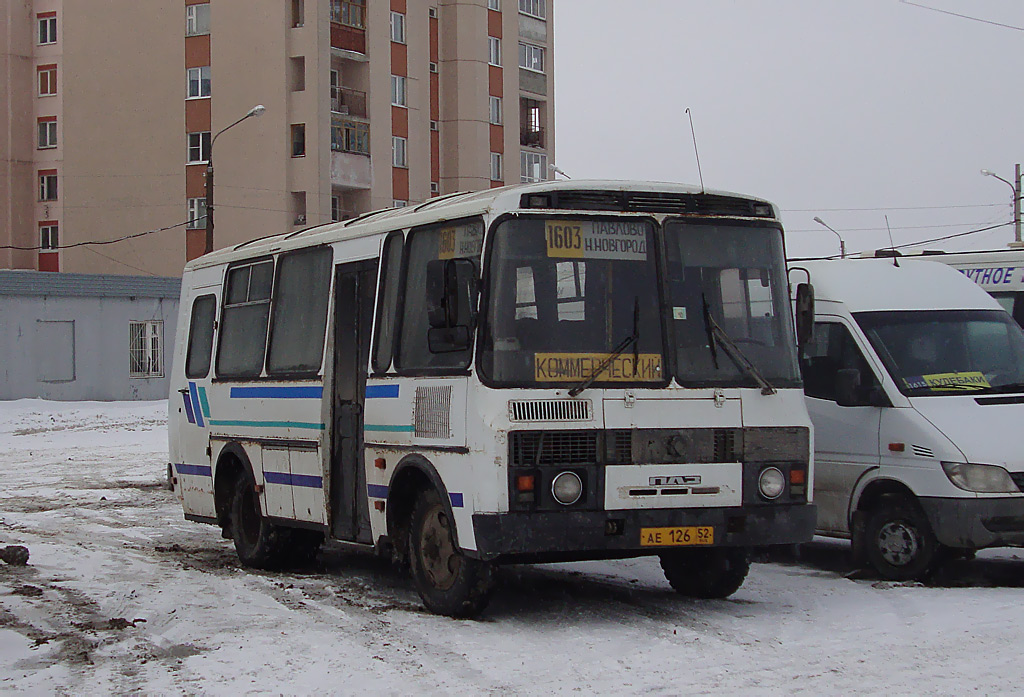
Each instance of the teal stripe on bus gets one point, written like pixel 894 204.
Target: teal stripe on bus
pixel 269 424
pixel 203 403
pixel 389 428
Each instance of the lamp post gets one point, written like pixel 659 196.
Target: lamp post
pixel 842 245
pixel 255 111
pixel 1015 187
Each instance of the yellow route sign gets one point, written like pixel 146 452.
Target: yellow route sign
pixel 559 367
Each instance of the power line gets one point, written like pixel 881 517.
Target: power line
pixel 956 14
pixel 890 208
pixel 97 242
pixel 894 227
pixel 920 242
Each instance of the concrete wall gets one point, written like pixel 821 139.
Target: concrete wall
pixel 34 358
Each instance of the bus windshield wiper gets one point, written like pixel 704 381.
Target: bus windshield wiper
pixel 717 335
pixel 616 352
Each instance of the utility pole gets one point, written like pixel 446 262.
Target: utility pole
pixel 1016 206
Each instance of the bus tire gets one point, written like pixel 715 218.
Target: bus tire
pixel 710 573
pixel 448 582
pixel 259 543
pixel 898 541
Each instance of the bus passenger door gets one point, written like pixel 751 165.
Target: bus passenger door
pixel 354 288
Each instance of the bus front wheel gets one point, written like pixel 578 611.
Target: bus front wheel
pixel 715 572
pixel 259 543
pixel 448 582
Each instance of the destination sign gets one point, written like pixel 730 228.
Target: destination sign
pixel 971 380
pixel 560 367
pixel 460 242
pixel 596 239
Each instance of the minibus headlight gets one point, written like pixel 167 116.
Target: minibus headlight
pixel 771 482
pixel 984 479
pixel 567 488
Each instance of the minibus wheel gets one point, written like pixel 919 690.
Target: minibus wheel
pixel 715 572
pixel 259 543
pixel 448 582
pixel 898 541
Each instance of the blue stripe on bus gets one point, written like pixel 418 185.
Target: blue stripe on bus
pixel 381 391
pixel 195 404
pixel 377 491
pixel 188 407
pixel 390 428
pixel 268 424
pixel 201 470
pixel 297 392
pixel 306 480
pixel 456 500
pixel 204 405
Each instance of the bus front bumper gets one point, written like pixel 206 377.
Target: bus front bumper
pixel 976 523
pixel 580 535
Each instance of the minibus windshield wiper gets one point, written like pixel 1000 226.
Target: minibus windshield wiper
pixel 633 339
pixel 717 335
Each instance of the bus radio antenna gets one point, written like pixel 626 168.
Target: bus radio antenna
pixel 892 245
pixel 695 153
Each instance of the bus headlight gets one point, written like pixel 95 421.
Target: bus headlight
pixel 567 488
pixel 771 482
pixel 982 479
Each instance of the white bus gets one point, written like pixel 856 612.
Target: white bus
pixel 557 371
pixel 999 272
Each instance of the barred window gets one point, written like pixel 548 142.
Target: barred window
pixel 146 349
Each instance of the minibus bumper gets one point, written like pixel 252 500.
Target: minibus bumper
pixel 976 523
pixel 579 535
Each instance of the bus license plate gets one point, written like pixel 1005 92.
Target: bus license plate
pixel 677 537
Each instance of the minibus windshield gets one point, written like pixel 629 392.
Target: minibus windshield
pixel 573 301
pixel 943 352
pixel 732 276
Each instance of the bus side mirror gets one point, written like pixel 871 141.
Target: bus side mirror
pixel 451 289
pixel 804 313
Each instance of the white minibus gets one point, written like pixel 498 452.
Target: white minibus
pixel 915 384
pixel 557 371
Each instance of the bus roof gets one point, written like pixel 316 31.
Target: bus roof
pixel 866 285
pixel 601 196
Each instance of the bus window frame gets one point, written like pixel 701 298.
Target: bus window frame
pixel 483 301
pixel 190 343
pixel 220 325
pixel 382 261
pixel 297 374
pixel 445 371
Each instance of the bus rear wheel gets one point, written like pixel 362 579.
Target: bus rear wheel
pixel 709 573
pixel 448 582
pixel 259 543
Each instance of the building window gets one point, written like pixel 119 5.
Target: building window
pixel 399 203
pixel 197 19
pixel 298 13
pixel 496 167
pixel 398 90
pixel 47 132
pixel 299 207
pixel 47 80
pixel 199 82
pixel 48 236
pixel 146 349
pixel 47 29
pixel 48 185
pixel 534 8
pixel 297 73
pixel 534 166
pixel 349 12
pixel 494 5
pixel 495 110
pixel 398 27
pixel 399 146
pixel 298 139
pixel 335 208
pixel 196 214
pixel 198 147
pixel 351 136
pixel 494 50
pixel 531 57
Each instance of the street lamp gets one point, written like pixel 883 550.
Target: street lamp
pixel 255 111
pixel 1015 188
pixel 842 245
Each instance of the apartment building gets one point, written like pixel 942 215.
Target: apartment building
pixel 367 104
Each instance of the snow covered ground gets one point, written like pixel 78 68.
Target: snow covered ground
pixel 121 595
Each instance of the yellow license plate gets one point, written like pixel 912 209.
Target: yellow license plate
pixel 677 537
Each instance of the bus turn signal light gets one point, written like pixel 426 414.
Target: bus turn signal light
pixel 797 476
pixel 897 447
pixel 524 482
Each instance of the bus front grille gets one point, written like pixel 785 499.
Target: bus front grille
pixel 531 448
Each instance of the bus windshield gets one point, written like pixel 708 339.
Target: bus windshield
pixel 571 298
pixel 734 277
pixel 943 352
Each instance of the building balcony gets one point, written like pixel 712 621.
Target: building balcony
pixel 531 137
pixel 350 170
pixel 348 102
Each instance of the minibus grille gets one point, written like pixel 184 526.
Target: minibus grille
pixel 553 447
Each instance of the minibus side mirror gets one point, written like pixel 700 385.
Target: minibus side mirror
pixel 847 387
pixel 451 289
pixel 804 314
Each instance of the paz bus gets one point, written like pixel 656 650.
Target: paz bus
pixel 556 371
pixel 999 272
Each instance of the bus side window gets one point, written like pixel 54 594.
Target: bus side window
pixel 831 350
pixel 299 312
pixel 387 302
pixel 200 337
pixel 243 330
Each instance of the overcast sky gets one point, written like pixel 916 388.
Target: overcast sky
pixel 850 110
